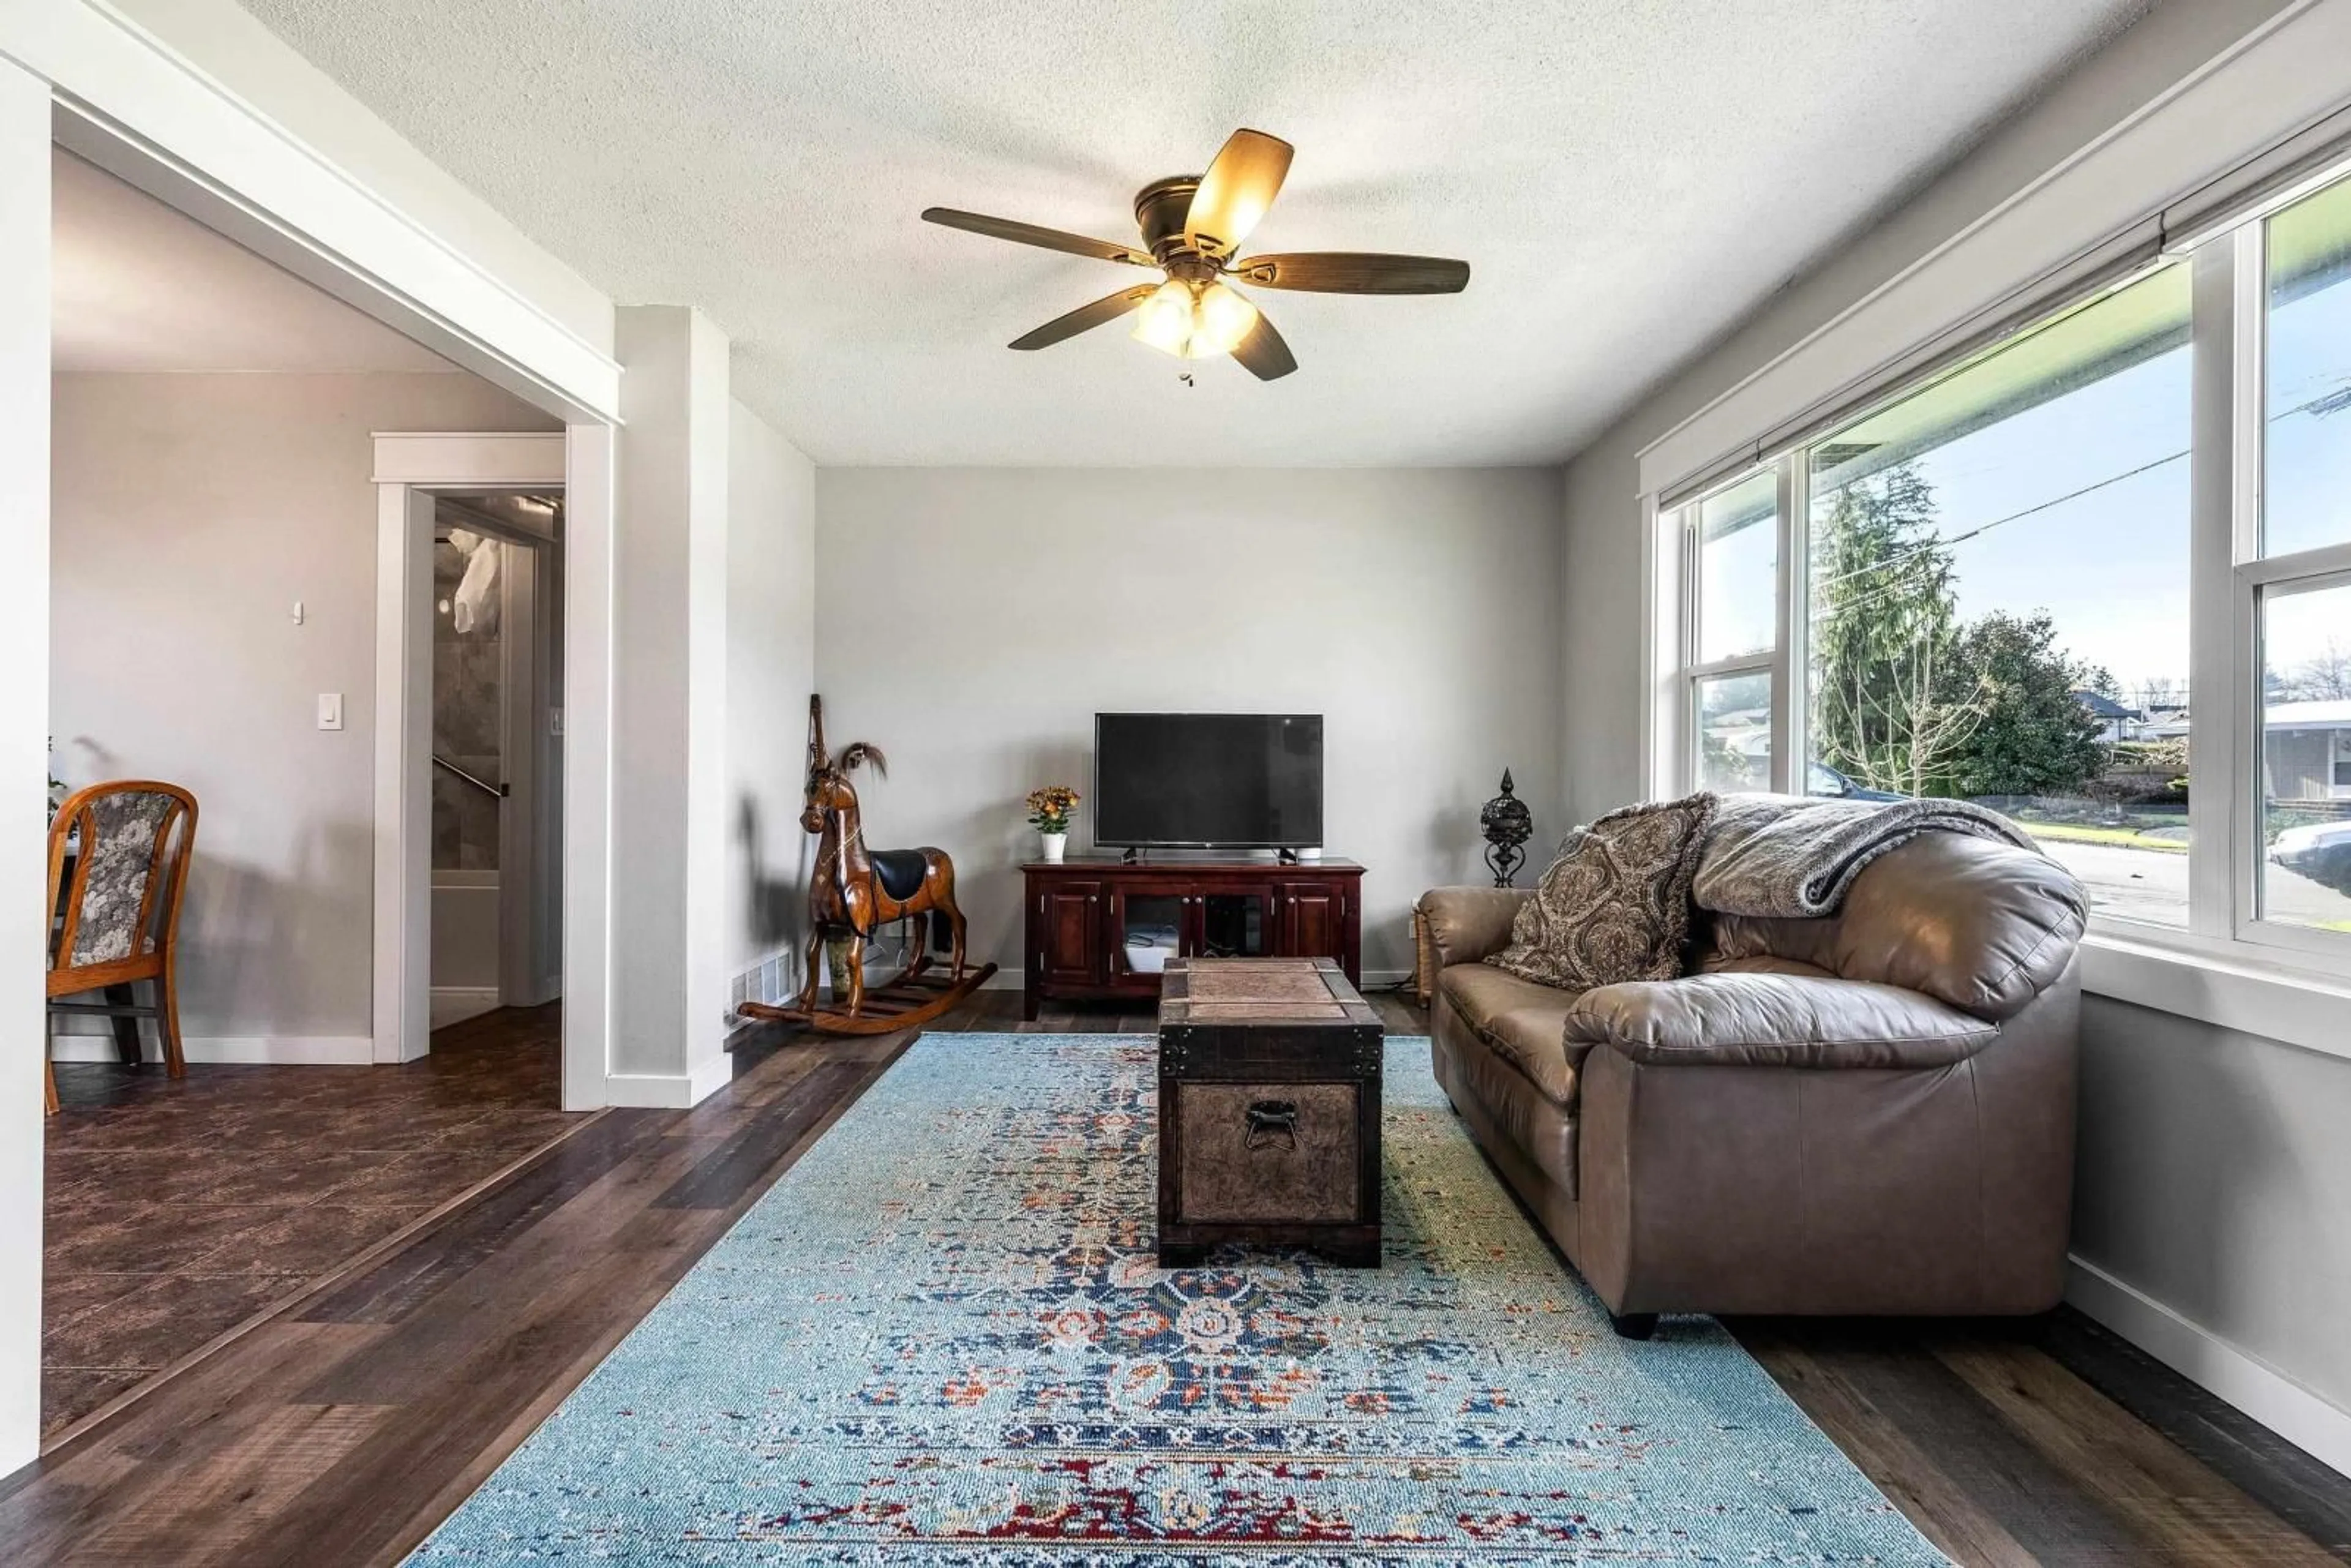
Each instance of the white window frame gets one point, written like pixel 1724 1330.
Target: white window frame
pixel 1681 731
pixel 2227 574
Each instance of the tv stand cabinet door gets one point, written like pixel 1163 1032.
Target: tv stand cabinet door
pixel 1070 916
pixel 1316 919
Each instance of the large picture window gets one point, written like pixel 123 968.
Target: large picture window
pixel 1998 604
pixel 1984 588
pixel 2302 596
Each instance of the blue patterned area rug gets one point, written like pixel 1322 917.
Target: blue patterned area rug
pixel 943 1338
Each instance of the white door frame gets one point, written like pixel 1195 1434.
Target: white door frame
pixel 123 95
pixel 411 470
pixel 531 722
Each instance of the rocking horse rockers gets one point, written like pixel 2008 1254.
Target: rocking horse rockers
pixel 853 892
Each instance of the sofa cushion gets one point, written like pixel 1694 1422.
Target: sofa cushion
pixel 1777 1021
pixel 1531 1140
pixel 1615 906
pixel 1523 1023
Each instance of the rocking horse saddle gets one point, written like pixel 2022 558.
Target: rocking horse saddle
pixel 900 872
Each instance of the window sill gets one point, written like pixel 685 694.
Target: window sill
pixel 2277 1002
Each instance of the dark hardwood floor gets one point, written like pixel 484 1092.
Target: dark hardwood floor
pixel 175 1210
pixel 340 1429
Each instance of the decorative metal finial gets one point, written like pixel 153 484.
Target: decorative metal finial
pixel 1508 824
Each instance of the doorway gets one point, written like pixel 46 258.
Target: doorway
pixel 497 781
pixel 215 574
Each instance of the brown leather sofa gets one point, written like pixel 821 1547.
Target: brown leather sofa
pixel 1867 1114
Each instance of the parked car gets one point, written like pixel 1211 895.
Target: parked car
pixel 2319 850
pixel 1823 779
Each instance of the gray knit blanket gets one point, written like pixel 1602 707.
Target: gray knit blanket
pixel 1794 856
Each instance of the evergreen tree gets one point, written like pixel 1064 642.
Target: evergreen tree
pixel 1892 707
pixel 2035 736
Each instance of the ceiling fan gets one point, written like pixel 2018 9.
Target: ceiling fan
pixel 1192 225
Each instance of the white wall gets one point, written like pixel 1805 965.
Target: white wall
pixel 971 623
pixel 190 513
pixel 770 670
pixel 2214 1184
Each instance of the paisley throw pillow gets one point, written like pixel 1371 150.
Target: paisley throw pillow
pixel 1615 904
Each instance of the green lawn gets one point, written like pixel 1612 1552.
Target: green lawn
pixel 2126 838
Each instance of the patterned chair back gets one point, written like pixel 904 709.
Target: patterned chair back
pixel 130 842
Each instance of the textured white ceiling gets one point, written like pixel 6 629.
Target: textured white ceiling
pixel 138 286
pixel 1626 178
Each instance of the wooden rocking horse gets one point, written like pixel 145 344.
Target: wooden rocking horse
pixel 853 892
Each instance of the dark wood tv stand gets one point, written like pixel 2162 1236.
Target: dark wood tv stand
pixel 1081 915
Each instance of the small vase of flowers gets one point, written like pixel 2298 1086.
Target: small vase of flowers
pixel 1049 813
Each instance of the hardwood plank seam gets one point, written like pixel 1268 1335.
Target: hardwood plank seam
pixel 317 1287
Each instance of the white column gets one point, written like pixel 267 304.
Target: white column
pixel 668 945
pixel 23 730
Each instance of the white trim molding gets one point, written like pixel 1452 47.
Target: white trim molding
pixel 2083 217
pixel 254 1049
pixel 2212 1363
pixel 24 725
pixel 403 782
pixel 589 492
pixel 2225 990
pixel 410 467
pixel 454 459
pixel 670 1091
pixel 456 1004
pixel 130 103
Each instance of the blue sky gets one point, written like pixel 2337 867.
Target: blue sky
pixel 2111 566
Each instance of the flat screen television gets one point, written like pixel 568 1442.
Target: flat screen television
pixel 1209 780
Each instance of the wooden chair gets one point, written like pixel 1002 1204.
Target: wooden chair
pixel 117 866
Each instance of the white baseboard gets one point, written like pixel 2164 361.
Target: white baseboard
pixel 456 1004
pixel 267 1051
pixel 669 1090
pixel 2204 1358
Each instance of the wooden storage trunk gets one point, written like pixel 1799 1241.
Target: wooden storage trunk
pixel 1268 1109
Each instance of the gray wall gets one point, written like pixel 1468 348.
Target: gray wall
pixel 971 623
pixel 189 512
pixel 770 670
pixel 2215 1178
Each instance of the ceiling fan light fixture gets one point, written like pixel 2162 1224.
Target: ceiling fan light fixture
pixel 1191 229
pixel 1221 320
pixel 1194 321
pixel 1163 320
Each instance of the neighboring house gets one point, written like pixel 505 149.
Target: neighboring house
pixel 2307 754
pixel 2116 722
pixel 2165 721
pixel 1746 734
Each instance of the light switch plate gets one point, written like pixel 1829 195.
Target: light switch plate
pixel 330 710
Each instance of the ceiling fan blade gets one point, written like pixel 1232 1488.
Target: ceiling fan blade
pixel 1029 233
pixel 1110 307
pixel 1354 272
pixel 1235 191
pixel 1263 352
